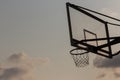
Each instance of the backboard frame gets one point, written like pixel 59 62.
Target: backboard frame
pixel 91 48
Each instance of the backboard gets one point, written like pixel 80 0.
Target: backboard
pixel 89 32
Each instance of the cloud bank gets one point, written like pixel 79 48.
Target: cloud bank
pixel 107 63
pixel 20 67
pixel 111 65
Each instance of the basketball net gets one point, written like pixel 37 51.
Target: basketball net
pixel 80 57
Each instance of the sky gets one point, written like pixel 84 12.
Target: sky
pixel 35 43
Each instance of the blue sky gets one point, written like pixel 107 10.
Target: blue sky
pixel 40 29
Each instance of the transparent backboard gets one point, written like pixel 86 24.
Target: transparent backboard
pixel 88 31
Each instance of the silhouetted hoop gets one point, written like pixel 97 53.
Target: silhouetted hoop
pixel 80 57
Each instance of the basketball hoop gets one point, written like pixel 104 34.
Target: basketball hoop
pixel 80 57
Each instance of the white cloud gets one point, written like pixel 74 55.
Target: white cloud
pixel 101 76
pixel 20 67
pixel 117 75
pixel 20 57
